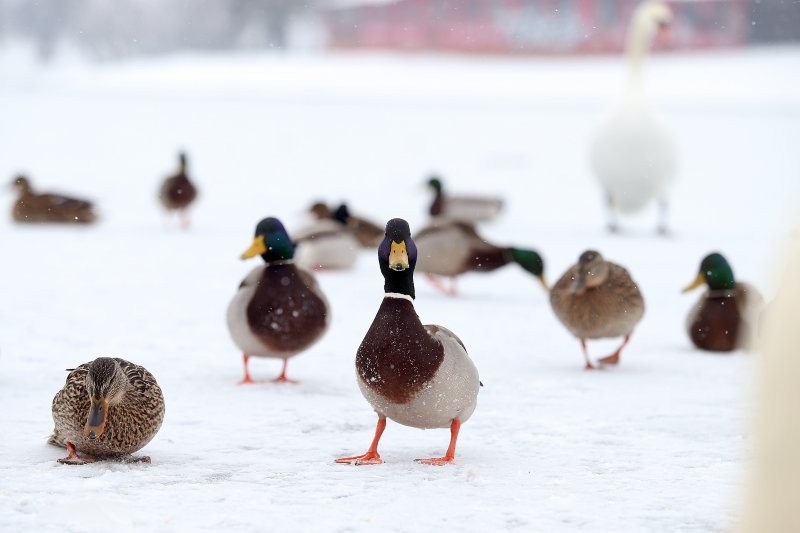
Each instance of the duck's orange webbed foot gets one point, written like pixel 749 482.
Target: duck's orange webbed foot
pixel 612 359
pixel 437 461
pixel 369 458
pixel 73 459
pixel 283 379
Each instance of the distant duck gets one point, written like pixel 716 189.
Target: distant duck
pixel 368 234
pixel 633 154
pixel 468 209
pixel 451 248
pixel 108 409
pixel 177 192
pixel 279 310
pixel 724 317
pixel 326 245
pixel 597 299
pixel 419 376
pixel 31 207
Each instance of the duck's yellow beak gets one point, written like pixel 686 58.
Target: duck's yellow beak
pixel 543 282
pixel 257 248
pixel 698 281
pixel 96 421
pixel 398 256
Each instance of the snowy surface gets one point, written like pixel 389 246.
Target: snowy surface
pixel 658 444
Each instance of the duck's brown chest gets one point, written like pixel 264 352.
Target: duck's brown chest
pixel 715 324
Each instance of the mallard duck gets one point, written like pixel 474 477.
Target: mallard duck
pixel 419 376
pixel 279 310
pixel 464 208
pixel 108 408
pixel 450 248
pixel 597 299
pixel 177 192
pixel 723 318
pixel 633 154
pixel 49 207
pixel 325 245
pixel 368 234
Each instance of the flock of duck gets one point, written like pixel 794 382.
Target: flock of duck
pixel 414 374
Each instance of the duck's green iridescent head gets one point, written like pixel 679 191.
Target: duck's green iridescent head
pixel 435 183
pixel 271 242
pixel 531 261
pixel 714 272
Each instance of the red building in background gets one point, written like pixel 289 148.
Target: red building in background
pixel 526 26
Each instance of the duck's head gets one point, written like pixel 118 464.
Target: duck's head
pixel 320 210
pixel 531 261
pixel 106 385
pixel 397 256
pixel 592 272
pixel 342 213
pixel 435 183
pixel 182 161
pixel 21 184
pixel 714 272
pixel 271 242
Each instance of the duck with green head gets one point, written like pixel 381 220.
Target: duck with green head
pixel 279 309
pixel 720 321
pixel 468 209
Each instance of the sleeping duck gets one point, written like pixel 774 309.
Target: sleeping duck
pixel 597 299
pixel 368 234
pixel 49 207
pixel 109 408
pixel 177 192
pixel 450 248
pixel 468 209
pixel 279 310
pixel 723 318
pixel 325 245
pixel 417 375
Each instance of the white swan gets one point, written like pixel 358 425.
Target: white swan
pixel 633 154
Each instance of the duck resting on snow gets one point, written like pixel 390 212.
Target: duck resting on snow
pixel 368 234
pixel 470 209
pixel 325 245
pixel 32 207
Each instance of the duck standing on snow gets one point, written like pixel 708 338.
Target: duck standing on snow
pixel 722 320
pixel 279 310
pixel 108 408
pixel 633 154
pixel 450 248
pixel 368 234
pixel 597 299
pixel 468 209
pixel 177 192
pixel 419 376
pixel 31 207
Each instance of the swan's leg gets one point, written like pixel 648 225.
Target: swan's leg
pixel 613 226
pixel 663 215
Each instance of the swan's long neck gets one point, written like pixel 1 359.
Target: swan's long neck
pixel 637 49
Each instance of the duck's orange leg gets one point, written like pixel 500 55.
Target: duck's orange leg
pixel 282 378
pixel 589 365
pixel 439 284
pixel 73 459
pixel 247 379
pixel 371 457
pixel 613 359
pixel 450 456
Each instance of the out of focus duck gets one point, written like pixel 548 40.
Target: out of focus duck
pixel 597 299
pixel 177 192
pixel 468 209
pixel 723 319
pixel 32 207
pixel 279 310
pixel 326 245
pixel 633 154
pixel 450 248
pixel 368 234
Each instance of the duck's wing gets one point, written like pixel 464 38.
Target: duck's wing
pixel 472 208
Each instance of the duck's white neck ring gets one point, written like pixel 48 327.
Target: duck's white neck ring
pixel 280 262
pixel 399 295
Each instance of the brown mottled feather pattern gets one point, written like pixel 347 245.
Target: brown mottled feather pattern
pixel 610 310
pixel 368 234
pixel 31 207
pixel 398 355
pixel 130 425
pixel 177 192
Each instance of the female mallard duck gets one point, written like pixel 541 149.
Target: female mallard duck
pixel 325 245
pixel 178 192
pixel 368 234
pixel 279 310
pixel 597 299
pixel 48 207
pixel 450 248
pixel 419 376
pixel 468 209
pixel 633 154
pixel 108 408
pixel 722 319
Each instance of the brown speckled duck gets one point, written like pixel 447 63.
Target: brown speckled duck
pixel 597 299
pixel 108 409
pixel 722 319
pixel 31 207
pixel 468 209
pixel 451 248
pixel 417 375
pixel 369 235
pixel 177 192
pixel 279 310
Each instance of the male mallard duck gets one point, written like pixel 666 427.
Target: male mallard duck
pixel 597 299
pixel 419 376
pixel 633 154
pixel 723 318
pixel 368 234
pixel 279 310
pixel 325 244
pixel 450 248
pixel 48 207
pixel 108 408
pixel 469 209
pixel 177 192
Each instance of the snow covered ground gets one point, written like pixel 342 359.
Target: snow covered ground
pixel 658 444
